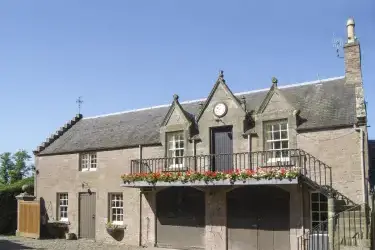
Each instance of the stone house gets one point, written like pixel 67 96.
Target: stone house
pixel 302 150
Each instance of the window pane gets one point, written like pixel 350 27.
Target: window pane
pixel 323 206
pixel 323 216
pixel 276 135
pixel 285 153
pixel 284 135
pixel 268 136
pixel 323 198
pixel 283 126
pixel 315 196
pixel 285 144
pixel 315 206
pixel 277 154
pixel 277 145
pixel 315 216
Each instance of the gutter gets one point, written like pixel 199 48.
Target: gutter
pixel 363 171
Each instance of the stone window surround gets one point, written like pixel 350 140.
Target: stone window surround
pixel 281 140
pixel 176 163
pixel 64 198
pixel 112 197
pixel 185 128
pixel 263 118
pixel 89 159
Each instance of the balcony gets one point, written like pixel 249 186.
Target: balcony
pixel 255 168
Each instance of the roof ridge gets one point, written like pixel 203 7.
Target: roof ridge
pixel 203 99
pixel 57 134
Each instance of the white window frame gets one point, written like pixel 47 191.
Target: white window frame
pixel 173 139
pixel 116 203
pixel 89 161
pixel 278 123
pixel 314 223
pixel 61 197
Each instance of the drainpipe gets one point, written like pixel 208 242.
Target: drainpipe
pixel 363 171
pixel 140 217
pixel 140 199
pixel 249 149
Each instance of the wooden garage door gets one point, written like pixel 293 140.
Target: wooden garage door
pixel 180 218
pixel 258 218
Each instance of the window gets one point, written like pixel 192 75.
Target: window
pixel 62 206
pixel 175 149
pixel 277 140
pixel 319 211
pixel 116 208
pixel 88 162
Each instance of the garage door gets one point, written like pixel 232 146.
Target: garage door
pixel 258 218
pixel 180 218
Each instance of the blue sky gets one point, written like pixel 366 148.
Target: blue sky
pixel 122 55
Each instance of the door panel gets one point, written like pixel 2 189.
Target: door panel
pixel 222 148
pixel 180 217
pixel 87 210
pixel 258 218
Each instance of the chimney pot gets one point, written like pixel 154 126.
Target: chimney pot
pixel 350 24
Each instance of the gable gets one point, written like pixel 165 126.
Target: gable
pixel 219 93
pixel 277 103
pixel 176 117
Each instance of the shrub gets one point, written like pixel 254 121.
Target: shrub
pixel 8 204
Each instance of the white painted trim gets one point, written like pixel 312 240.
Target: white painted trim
pixel 204 99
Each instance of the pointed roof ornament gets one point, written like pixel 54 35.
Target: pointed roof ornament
pixel 274 81
pixel 221 74
pixel 175 97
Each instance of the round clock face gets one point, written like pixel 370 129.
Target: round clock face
pixel 220 109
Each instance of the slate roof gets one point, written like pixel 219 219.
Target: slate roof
pixel 325 103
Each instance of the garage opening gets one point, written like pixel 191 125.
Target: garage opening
pixel 180 218
pixel 258 218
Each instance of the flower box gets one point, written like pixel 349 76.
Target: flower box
pixel 246 176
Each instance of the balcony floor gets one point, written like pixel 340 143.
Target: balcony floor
pixel 139 184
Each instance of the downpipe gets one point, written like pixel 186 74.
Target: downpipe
pixel 363 171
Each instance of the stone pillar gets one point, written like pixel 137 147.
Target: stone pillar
pixel 148 218
pixel 216 217
pixel 331 221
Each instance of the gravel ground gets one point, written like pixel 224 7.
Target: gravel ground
pixel 17 243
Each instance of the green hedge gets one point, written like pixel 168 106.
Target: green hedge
pixel 8 204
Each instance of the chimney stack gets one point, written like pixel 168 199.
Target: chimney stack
pixel 353 71
pixel 352 56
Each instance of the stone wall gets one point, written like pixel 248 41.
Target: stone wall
pixel 340 150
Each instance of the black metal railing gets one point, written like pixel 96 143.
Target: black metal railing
pixel 349 227
pixel 310 167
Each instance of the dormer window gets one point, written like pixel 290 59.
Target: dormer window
pixel 88 162
pixel 175 149
pixel 277 140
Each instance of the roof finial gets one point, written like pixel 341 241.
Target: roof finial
pixel 221 74
pixel 274 81
pixel 175 97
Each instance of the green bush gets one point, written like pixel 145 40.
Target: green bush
pixel 8 204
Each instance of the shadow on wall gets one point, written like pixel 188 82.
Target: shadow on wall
pixel 50 229
pixel 9 245
pixel 371 174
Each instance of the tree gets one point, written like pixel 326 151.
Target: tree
pixel 6 166
pixel 20 168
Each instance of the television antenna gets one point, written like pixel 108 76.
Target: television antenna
pixel 79 101
pixel 338 44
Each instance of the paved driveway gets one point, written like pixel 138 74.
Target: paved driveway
pixel 17 243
